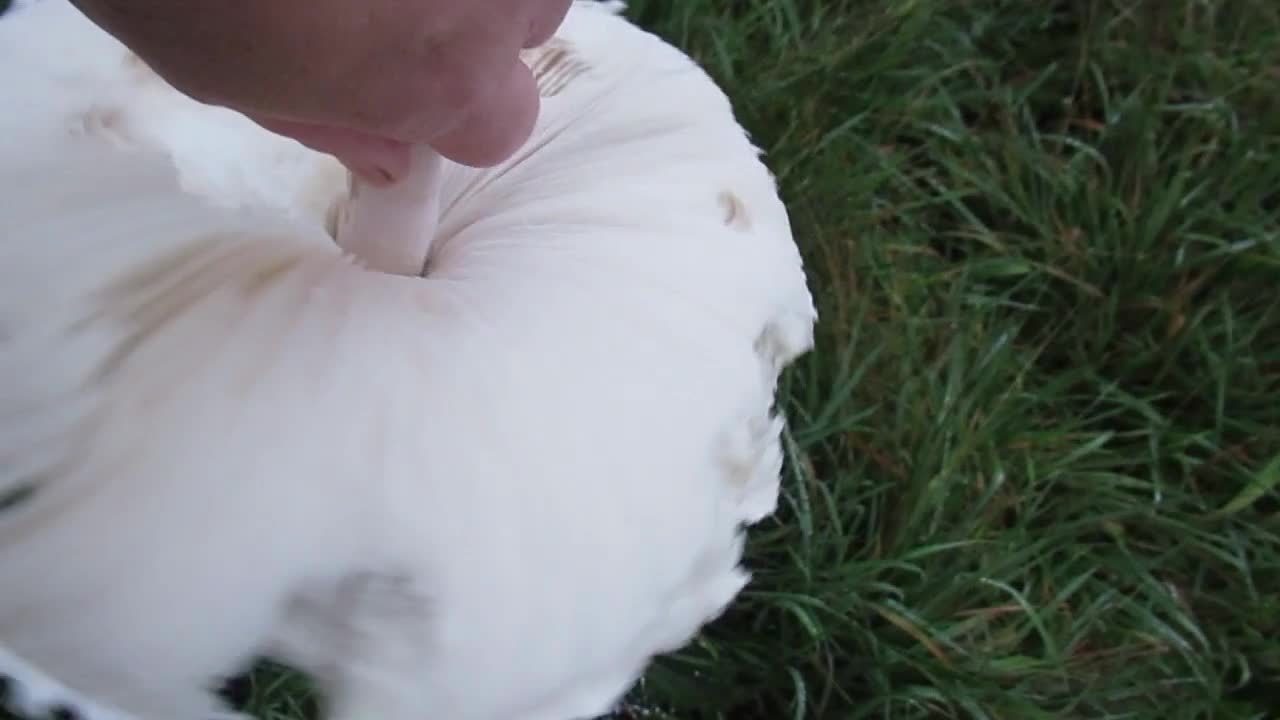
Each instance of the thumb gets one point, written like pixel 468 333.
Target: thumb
pixel 377 160
pixel 497 126
pixel 490 133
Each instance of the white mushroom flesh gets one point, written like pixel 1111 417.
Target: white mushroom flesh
pixel 390 228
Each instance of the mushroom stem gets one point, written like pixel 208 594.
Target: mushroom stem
pixel 390 228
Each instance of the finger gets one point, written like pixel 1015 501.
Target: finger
pixel 377 160
pixel 494 129
pixel 546 21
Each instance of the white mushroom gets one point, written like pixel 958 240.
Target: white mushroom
pixel 494 491
pixel 391 228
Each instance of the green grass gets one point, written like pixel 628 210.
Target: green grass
pixel 1034 461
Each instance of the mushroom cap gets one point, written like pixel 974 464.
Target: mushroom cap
pixel 544 450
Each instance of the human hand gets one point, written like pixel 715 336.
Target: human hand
pixel 360 80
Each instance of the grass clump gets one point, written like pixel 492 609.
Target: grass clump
pixel 1035 458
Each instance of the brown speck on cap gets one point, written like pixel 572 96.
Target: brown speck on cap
pixel 554 66
pixel 735 211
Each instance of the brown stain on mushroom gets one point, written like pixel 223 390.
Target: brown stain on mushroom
pixel 111 123
pixel 103 122
pixel 18 494
pixel 554 66
pixel 333 217
pixel 768 347
pixel 145 302
pixel 336 214
pixel 735 211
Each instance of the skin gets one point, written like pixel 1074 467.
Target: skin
pixel 363 80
